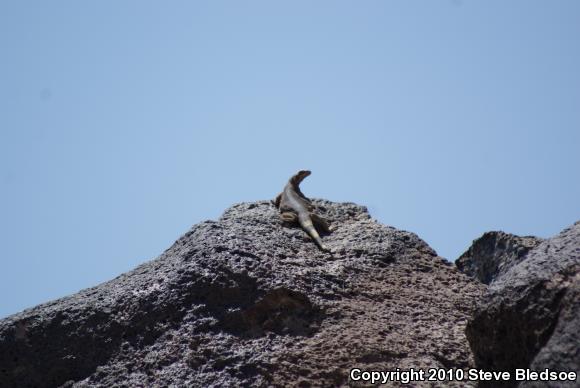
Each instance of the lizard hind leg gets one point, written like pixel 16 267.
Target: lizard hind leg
pixel 306 223
pixel 289 217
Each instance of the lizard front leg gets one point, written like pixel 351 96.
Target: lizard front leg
pixel 276 201
pixel 320 222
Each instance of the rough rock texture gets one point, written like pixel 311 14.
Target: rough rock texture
pixel 493 254
pixel 530 316
pixel 243 301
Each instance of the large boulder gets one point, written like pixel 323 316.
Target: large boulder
pixel 245 301
pixel 530 315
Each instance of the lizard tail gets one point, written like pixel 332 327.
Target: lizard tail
pixel 308 226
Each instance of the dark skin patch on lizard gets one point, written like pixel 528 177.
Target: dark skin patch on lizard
pixel 295 207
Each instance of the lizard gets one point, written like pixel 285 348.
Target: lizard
pixel 295 207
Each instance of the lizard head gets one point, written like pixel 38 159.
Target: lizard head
pixel 299 177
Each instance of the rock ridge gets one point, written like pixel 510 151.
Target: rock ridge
pixel 244 301
pixel 494 253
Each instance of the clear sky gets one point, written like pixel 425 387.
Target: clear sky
pixel 123 123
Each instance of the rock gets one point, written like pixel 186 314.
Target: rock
pixel 530 315
pixel 493 254
pixel 244 301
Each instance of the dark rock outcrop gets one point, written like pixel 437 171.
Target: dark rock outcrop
pixel 530 316
pixel 243 301
pixel 493 254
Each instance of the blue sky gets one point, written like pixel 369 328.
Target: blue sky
pixel 123 123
